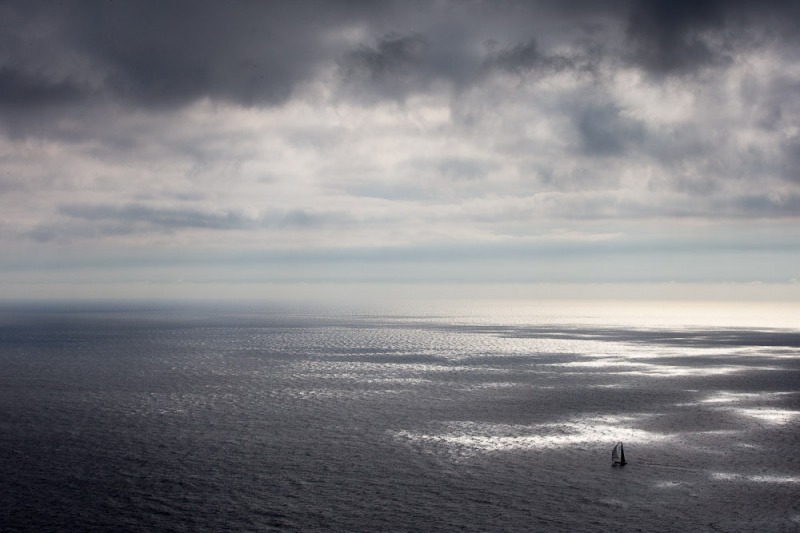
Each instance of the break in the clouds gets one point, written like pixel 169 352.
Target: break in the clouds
pixel 555 141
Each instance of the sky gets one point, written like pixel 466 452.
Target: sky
pixel 211 148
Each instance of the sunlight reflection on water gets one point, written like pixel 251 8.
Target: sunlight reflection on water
pixel 758 478
pixel 489 437
pixel 771 416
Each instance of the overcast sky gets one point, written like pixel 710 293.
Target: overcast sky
pixel 427 141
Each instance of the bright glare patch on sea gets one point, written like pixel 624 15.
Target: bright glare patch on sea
pixel 429 417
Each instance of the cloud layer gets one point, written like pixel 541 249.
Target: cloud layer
pixel 404 130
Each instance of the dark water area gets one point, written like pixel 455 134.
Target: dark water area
pixel 119 417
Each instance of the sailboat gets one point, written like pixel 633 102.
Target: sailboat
pixel 618 455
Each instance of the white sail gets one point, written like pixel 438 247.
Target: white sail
pixel 615 454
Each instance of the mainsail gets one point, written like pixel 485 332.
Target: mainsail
pixel 618 455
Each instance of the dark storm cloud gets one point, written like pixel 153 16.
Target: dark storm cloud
pixel 22 90
pixel 397 66
pixel 682 36
pixel 392 68
pixel 529 57
pixel 173 52
pixel 669 36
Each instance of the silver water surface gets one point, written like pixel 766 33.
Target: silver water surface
pixel 483 418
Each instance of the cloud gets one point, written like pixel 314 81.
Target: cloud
pixel 408 126
pixel 161 217
pixel 528 58
pixel 790 151
pixel 84 221
pixel 393 68
pixel 684 36
pixel 671 37
pixel 167 54
pixel 19 89
pixel 604 131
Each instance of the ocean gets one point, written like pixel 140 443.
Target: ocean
pixel 487 416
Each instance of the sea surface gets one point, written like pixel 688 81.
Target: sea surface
pixel 449 417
